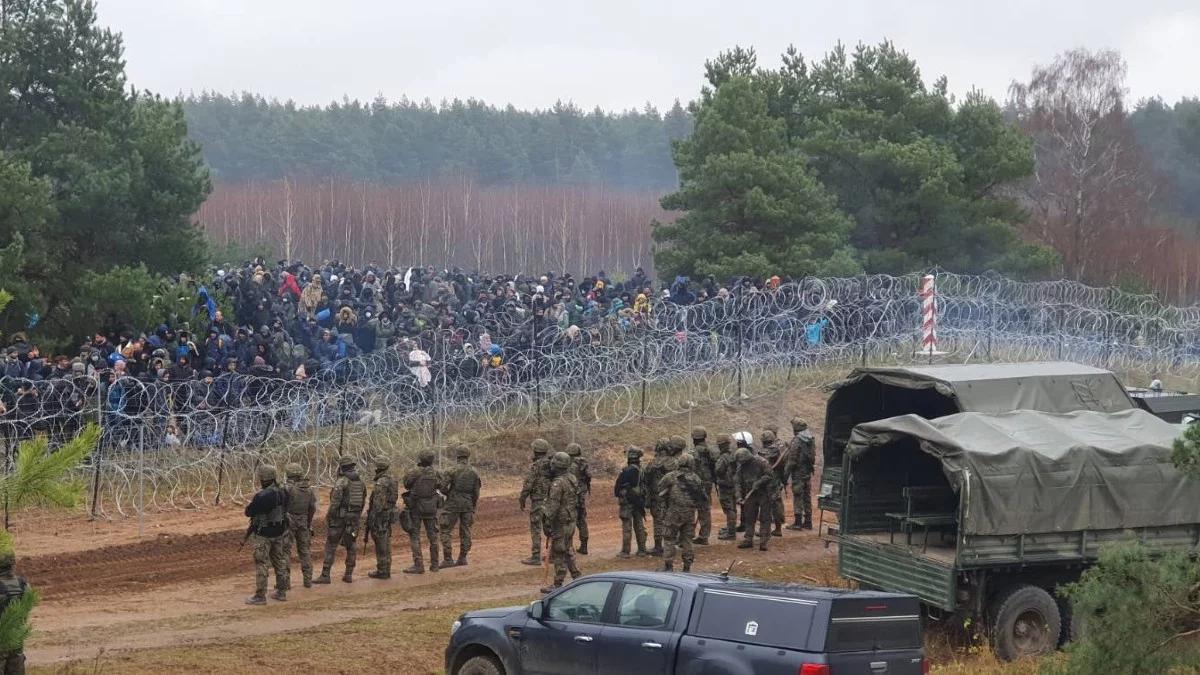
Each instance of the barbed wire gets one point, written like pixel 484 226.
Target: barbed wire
pixel 189 445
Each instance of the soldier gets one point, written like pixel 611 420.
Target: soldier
pixel 801 461
pixel 423 501
pixel 267 512
pixel 302 507
pixel 650 476
pixel 680 491
pixel 755 484
pixel 534 490
pixel 346 501
pixel 12 587
pixel 775 459
pixel 706 469
pixel 583 476
pixel 460 484
pixel 380 515
pixel 558 518
pixel 723 476
pixel 632 503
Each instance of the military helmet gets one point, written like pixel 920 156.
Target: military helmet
pixel 742 455
pixel 266 473
pixel 561 461
pixel 799 424
pixel 383 463
pixel 661 444
pixel 346 462
pixel 743 439
pixel 425 458
pixel 772 427
pixel 633 452
pixel 768 437
pixel 724 440
pixel 676 445
pixel 687 461
pixel 540 446
pixel 293 470
pixel 461 451
pixel 574 449
pixel 699 433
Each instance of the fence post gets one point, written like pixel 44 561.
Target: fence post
pixel 342 423
pixel 739 348
pixel 991 327
pixel 141 483
pixel 645 365
pixel 97 453
pixel 221 457
pixel 433 390
pixel 1061 336
pixel 8 453
pixel 537 372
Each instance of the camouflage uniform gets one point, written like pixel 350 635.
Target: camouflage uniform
pixel 346 501
pixel 774 456
pixel 723 476
pixel 11 588
pixel 559 518
pixel 460 484
pixel 267 512
pixel 756 485
pixel 302 507
pixel 706 469
pixel 666 459
pixel 680 492
pixel 537 482
pixel 583 476
pixel 380 516
pixel 422 500
pixel 631 502
pixel 802 458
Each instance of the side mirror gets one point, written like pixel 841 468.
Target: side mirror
pixel 536 610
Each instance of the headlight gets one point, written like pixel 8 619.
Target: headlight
pixel 455 626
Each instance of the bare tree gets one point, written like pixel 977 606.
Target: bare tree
pixel 287 215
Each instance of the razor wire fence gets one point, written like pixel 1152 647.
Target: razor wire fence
pixel 194 444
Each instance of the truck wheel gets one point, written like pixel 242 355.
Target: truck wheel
pixel 1023 621
pixel 480 665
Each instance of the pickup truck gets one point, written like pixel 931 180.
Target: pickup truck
pixel 692 624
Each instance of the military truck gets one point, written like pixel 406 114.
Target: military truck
pixel 934 391
pixel 986 514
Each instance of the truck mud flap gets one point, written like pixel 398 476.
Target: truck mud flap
pixel 895 568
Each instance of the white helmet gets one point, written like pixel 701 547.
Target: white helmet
pixel 743 438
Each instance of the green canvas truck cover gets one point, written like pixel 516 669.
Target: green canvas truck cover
pixel 1031 472
pixel 1051 386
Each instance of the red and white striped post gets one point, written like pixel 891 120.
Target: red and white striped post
pixel 928 295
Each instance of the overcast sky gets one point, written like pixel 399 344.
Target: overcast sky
pixel 617 53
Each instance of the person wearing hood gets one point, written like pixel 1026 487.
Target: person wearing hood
pixel 342 520
pixel 310 297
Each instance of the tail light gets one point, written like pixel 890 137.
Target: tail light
pixel 814 669
pixel 924 665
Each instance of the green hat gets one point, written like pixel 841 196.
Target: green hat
pixel 724 440
pixel 294 470
pixel 425 457
pixel 382 463
pixel 676 444
pixel 633 452
pixel 742 455
pixel 574 449
pixel 461 451
pixel 266 473
pixel 686 461
pixel 540 446
pixel 799 424
pixel 699 433
pixel 561 461
pixel 768 436
pixel 346 462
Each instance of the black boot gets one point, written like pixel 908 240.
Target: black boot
pixel 746 543
pixel 582 550
pixel 324 578
pixel 447 563
pixel 417 568
pixel 687 565
pixel 777 532
pixel 553 587
pixel 700 541
pixel 668 567
pixel 462 560
pixel 533 560
pixel 741 528
pixel 348 577
pixel 807 524
pixel 797 525
pixel 657 551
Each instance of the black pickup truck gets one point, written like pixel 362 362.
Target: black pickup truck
pixel 692 624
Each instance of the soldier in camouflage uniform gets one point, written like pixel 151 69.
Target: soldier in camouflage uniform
pixel 558 519
pixel 380 515
pixel 723 476
pixel 775 459
pixel 802 458
pixel 680 491
pixel 12 587
pixel 654 471
pixel 460 484
pixel 583 476
pixel 706 469
pixel 267 512
pixel 756 487
pixel 631 502
pixel 537 482
pixel 423 501
pixel 302 507
pixel 346 501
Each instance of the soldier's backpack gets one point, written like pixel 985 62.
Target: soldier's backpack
pixel 464 481
pixel 424 493
pixel 353 497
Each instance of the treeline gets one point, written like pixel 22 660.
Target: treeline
pixel 247 137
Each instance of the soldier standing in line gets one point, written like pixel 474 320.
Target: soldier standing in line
pixel 755 484
pixel 302 507
pixel 424 500
pixel 723 476
pixel 655 470
pixel 460 484
pixel 12 587
pixel 706 468
pixel 583 476
pixel 267 512
pixel 346 501
pixel 775 459
pixel 534 490
pixel 680 491
pixel 631 502
pixel 559 519
pixel 380 515
pixel 801 461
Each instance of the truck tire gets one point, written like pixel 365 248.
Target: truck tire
pixel 1023 621
pixel 480 665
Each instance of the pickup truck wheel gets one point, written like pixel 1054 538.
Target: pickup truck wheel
pixel 1023 621
pixel 480 665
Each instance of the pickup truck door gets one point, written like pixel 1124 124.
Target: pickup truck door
pixel 566 639
pixel 642 638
